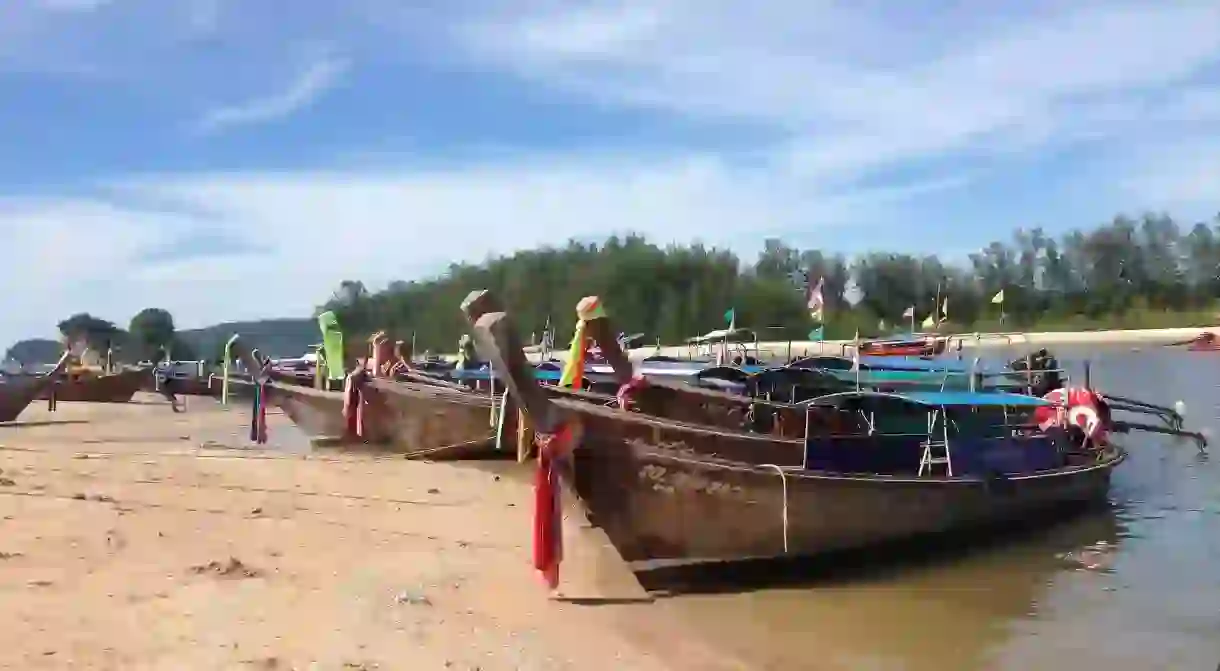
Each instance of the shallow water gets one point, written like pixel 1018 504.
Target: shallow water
pixel 1133 586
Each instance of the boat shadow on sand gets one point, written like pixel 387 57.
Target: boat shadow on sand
pixel 29 424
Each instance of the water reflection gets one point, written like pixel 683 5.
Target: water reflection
pixel 927 607
pixel 1134 586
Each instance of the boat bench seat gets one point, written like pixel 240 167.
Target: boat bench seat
pixel 900 454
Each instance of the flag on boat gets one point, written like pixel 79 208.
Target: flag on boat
pixel 730 316
pixel 548 335
pixel 929 321
pixel 817 304
pixel 909 312
pixel 944 310
pixel 998 299
pixel 818 334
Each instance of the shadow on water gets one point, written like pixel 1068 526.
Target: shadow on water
pixel 1131 587
pixel 1065 531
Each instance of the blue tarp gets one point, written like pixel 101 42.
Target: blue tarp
pixel 974 398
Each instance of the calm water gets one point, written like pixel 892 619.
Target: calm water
pixel 1132 586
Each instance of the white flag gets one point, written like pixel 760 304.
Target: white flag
pixel 998 299
pixel 817 304
pixel 910 312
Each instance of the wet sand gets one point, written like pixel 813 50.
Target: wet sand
pixel 133 538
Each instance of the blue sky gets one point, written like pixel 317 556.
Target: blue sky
pixel 191 154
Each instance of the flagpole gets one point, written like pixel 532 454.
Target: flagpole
pixel 936 310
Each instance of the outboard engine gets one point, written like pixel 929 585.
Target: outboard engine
pixel 1045 372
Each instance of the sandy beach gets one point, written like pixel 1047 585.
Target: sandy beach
pixel 133 538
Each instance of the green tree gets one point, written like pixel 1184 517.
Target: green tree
pixel 152 334
pixel 1128 272
pixel 96 333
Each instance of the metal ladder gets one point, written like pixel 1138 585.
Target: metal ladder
pixel 936 451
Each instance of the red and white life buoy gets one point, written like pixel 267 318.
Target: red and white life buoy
pixel 1075 406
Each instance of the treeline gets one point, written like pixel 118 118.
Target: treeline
pixel 150 335
pixel 1149 272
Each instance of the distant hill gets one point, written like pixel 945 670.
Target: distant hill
pixel 275 337
pixel 34 350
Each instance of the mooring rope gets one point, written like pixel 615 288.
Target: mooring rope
pixel 783 478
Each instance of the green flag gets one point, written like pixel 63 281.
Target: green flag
pixel 818 334
pixel 730 316
pixel 332 344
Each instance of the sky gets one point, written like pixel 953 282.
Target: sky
pixel 237 159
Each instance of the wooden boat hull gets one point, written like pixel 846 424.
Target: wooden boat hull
pixel 414 420
pixel 110 388
pixel 196 386
pixel 667 491
pixel 17 394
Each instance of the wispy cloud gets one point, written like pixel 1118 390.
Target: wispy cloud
pixel 73 5
pixel 863 85
pixel 309 85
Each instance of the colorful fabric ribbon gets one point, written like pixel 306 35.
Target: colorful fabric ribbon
pixel 353 403
pixel 627 391
pixel 548 509
pixel 587 310
pixel 258 418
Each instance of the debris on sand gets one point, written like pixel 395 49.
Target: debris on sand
pixel 234 568
pixel 7 482
pixel 414 598
pixel 100 498
pixel 10 555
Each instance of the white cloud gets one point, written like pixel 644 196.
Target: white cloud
pixel 385 225
pixel 1178 176
pixel 856 84
pixel 306 88
pixel 73 5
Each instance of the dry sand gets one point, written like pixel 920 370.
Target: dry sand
pixel 132 538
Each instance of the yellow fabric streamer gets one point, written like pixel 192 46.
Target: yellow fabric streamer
pixel 576 359
pixel 588 309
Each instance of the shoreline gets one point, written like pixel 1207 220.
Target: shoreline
pixel 986 341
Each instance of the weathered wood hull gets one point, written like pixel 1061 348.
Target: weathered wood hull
pixel 440 423
pixel 414 420
pixel 680 492
pixel 111 388
pixel 17 394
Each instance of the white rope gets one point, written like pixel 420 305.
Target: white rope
pixel 783 478
pixel 500 420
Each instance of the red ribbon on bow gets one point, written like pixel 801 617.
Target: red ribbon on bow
pixel 548 511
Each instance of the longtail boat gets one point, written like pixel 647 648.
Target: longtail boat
pixel 672 490
pixel 418 420
pixel 89 385
pixel 1204 342
pixel 17 393
pixel 910 344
